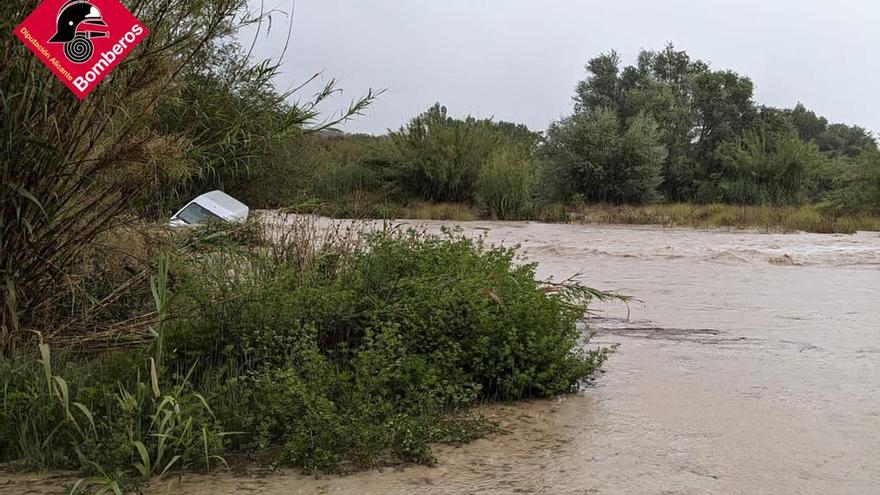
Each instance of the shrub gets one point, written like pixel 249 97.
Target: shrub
pixel 858 187
pixel 591 154
pixel 103 417
pixel 354 358
pixel 332 348
pixel 440 158
pixel 763 168
pixel 504 188
pixel 322 165
pixel 343 181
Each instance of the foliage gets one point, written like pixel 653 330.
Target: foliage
pixel 185 111
pixel 340 182
pixel 845 140
pixel 102 418
pixel 695 108
pixel 505 185
pixel 352 358
pixel 69 169
pixel 441 158
pixel 326 166
pixel 699 119
pixel 324 348
pixel 835 139
pixel 762 169
pixel 818 219
pixel 858 186
pixel 590 154
pixel 719 145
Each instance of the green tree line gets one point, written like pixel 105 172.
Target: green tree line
pixel 665 129
pixel 671 128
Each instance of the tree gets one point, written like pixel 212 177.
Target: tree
pixel 858 188
pixel 810 126
pixel 845 140
pixel 725 110
pixel 593 155
pixel 602 88
pixel 441 158
pixel 661 84
pixel 695 108
pixel 720 145
pixel 504 187
pixel 766 166
pixel 836 139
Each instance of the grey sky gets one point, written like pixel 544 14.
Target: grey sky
pixel 519 60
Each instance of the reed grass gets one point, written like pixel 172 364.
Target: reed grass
pixel 814 218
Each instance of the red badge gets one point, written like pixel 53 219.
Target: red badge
pixel 81 40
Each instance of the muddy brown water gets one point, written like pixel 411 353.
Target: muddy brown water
pixel 751 366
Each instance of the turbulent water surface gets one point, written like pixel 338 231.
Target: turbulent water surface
pixel 751 365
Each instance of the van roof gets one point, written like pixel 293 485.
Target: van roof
pixel 228 206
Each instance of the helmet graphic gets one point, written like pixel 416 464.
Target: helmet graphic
pixel 77 21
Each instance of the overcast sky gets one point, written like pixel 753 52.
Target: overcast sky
pixel 519 60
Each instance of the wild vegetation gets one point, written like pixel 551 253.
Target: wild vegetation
pixel 128 351
pixel 806 218
pixel 329 349
pixel 668 129
pixel 186 110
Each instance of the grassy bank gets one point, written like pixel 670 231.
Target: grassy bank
pixel 812 218
pixel 766 218
pixel 328 350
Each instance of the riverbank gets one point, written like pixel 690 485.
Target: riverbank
pixel 787 219
pixel 329 347
pixel 731 377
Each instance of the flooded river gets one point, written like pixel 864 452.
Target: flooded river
pixel 752 365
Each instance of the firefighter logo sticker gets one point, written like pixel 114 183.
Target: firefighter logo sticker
pixel 81 41
pixel 78 23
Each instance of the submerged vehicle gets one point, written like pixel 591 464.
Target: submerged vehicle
pixel 212 206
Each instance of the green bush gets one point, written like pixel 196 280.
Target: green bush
pixel 591 154
pixel 330 350
pixel 858 187
pixel 763 168
pixel 323 166
pixel 504 188
pixel 343 181
pixel 440 158
pixel 356 358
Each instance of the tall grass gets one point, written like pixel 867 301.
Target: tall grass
pixel 505 185
pixel 79 419
pixel 69 168
pixel 767 218
pixel 182 112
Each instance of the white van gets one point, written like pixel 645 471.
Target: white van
pixel 215 205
